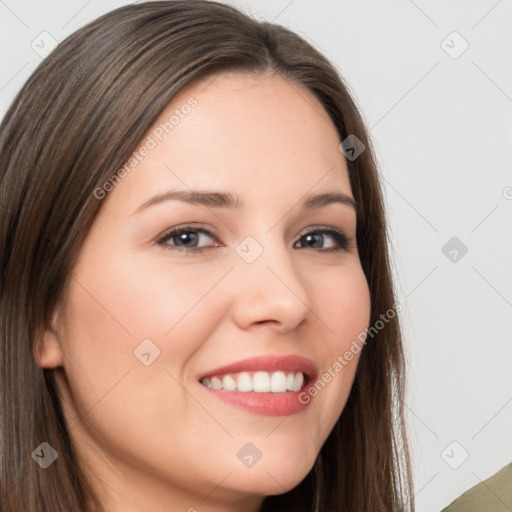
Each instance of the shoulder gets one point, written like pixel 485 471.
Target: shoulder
pixel 491 495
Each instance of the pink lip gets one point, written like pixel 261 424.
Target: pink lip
pixel 265 404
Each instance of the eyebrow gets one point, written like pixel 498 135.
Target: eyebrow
pixel 212 199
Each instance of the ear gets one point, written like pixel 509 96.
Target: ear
pixel 47 346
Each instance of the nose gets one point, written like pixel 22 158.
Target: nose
pixel 270 291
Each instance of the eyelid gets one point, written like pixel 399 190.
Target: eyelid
pixel 190 226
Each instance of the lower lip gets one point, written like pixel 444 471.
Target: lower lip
pixel 264 404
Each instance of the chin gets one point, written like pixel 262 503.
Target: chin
pixel 279 473
pixel 265 484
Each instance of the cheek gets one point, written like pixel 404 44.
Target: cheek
pixel 115 307
pixel 129 299
pixel 110 310
pixel 346 305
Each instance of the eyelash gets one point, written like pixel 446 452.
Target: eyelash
pixel 341 238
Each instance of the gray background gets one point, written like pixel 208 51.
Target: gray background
pixel 441 125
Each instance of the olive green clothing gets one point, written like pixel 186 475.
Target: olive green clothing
pixel 491 495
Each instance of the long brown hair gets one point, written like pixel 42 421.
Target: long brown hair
pixel 109 81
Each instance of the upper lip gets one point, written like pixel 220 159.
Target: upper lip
pixel 269 363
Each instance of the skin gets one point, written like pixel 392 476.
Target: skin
pixel 151 437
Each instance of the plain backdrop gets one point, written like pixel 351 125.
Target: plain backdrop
pixel 434 82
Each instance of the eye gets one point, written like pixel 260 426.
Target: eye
pixel 187 239
pixel 317 236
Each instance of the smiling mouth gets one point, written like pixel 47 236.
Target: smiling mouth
pixel 257 382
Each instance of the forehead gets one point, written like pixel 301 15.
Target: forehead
pixel 258 135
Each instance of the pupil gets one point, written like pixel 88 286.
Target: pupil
pixel 309 237
pixel 184 237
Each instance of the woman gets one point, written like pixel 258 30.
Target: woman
pixel 197 310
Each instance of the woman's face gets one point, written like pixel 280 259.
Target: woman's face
pixel 145 320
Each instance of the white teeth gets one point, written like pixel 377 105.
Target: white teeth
pixel 278 382
pixel 228 383
pixel 244 382
pixel 216 383
pixel 289 382
pixel 299 380
pixel 259 382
